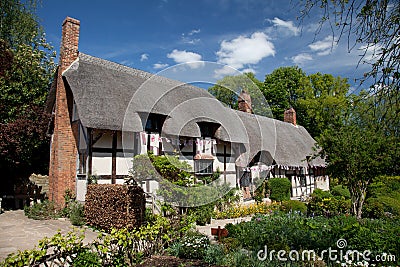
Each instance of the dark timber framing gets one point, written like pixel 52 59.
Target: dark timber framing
pixel 114 157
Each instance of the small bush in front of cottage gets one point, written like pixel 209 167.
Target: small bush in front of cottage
pixel 280 189
pixel 41 211
pixel 293 206
pixel 76 213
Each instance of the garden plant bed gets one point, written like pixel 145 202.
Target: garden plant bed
pixel 170 261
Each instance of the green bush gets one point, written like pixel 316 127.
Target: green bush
pixel 280 189
pixel 87 258
pixel 340 191
pixel 76 213
pixel 373 208
pixel 214 254
pixel 383 197
pixel 298 232
pixel 41 211
pixel 193 245
pixel 293 206
pixel 325 204
pixel 202 214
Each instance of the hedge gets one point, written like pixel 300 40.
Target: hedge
pixel 280 189
pixel 110 206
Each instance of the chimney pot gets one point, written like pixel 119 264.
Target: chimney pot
pixel 244 102
pixel 290 116
pixel 69 42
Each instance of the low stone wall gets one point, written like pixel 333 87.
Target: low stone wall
pixel 42 181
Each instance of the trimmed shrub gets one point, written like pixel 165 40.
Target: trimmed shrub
pixel 293 206
pixel 114 206
pixel 341 191
pixel 280 189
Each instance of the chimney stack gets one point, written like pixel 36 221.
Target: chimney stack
pixel 69 42
pixel 290 116
pixel 63 152
pixel 244 102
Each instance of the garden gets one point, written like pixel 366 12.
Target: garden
pixel 279 233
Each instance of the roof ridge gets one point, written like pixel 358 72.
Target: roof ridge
pixel 130 70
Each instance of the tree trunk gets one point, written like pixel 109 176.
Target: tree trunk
pixel 357 199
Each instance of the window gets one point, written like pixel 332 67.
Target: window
pixel 203 166
pixel 208 129
pixel 154 123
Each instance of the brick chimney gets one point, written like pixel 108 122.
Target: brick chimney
pixel 290 116
pixel 244 102
pixel 63 153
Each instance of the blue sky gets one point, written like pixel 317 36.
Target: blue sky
pixel 257 36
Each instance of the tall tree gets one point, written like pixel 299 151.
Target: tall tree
pixel 26 70
pixel 229 88
pixel 324 102
pixel 359 150
pixel 283 88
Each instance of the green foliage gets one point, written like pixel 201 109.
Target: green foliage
pixel 359 150
pixel 297 232
pixel 165 167
pixel 282 88
pixel 193 245
pixel 59 248
pixel 41 211
pixel 323 104
pixel 202 214
pixel 280 189
pixel 340 191
pixel 26 71
pixel 214 254
pixel 293 206
pixel 382 206
pixel 76 213
pixel 323 203
pixel 229 88
pixel 87 258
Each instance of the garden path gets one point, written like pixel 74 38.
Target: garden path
pixel 18 232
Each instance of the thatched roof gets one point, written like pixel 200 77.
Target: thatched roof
pixel 116 97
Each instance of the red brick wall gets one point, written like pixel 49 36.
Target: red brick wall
pixel 62 170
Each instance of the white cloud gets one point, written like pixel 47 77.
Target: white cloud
pixel 301 58
pixel 225 71
pixel 289 25
pixel 188 38
pixel 194 32
pixel 245 50
pixel 323 47
pixel 183 56
pixel 160 66
pixel 372 52
pixel 144 57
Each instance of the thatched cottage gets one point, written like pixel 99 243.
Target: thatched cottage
pixel 104 113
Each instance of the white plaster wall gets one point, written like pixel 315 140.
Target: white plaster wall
pixel 81 187
pixel 124 164
pixel 101 164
